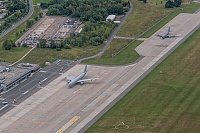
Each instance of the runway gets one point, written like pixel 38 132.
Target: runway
pixel 57 108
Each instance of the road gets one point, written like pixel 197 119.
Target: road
pixel 31 9
pixel 56 108
pixel 28 87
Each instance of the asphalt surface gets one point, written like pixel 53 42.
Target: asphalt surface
pixel 31 9
pixel 29 86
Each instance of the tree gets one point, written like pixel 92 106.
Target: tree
pixel 36 18
pixel 62 43
pixel 169 4
pixel 40 15
pixel 7 44
pixel 177 3
pixel 44 5
pixel 29 23
pixel 145 1
pixel 52 44
pixel 18 44
pixel 17 34
pixel 42 43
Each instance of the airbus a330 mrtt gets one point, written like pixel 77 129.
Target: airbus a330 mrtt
pixel 167 35
pixel 78 79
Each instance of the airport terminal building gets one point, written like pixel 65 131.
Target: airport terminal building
pixel 10 76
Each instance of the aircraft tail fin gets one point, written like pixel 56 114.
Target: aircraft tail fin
pixel 169 30
pixel 85 70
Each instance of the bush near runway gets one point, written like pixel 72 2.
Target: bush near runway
pixel 167 100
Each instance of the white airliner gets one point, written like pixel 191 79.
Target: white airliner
pixel 166 35
pixel 78 79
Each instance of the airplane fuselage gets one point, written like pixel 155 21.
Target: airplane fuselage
pixel 164 36
pixel 74 81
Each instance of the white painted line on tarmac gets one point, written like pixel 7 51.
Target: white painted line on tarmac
pixel 44 80
pixel 25 92
pixel 4 106
pixel 2 99
pixel 43 71
pixel 68 124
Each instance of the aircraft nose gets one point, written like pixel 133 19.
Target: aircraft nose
pixel 69 85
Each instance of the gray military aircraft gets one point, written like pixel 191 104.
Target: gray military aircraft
pixel 166 35
pixel 78 79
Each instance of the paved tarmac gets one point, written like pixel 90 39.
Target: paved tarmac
pixel 57 108
pixel 31 85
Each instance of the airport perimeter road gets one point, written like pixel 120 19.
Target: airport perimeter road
pixel 57 109
pixel 28 87
pixel 31 9
pixel 110 38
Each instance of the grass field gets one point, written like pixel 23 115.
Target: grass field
pixel 189 8
pixel 128 55
pixel 142 17
pixel 167 100
pixel 40 55
pixel 146 15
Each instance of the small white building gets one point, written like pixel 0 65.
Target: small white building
pixel 110 18
pixel 79 29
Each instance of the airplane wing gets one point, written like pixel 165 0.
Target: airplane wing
pixel 159 35
pixel 171 36
pixel 68 77
pixel 83 80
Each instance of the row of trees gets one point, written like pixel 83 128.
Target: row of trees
pixel 171 4
pixel 86 10
pixel 16 5
pixel 16 10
